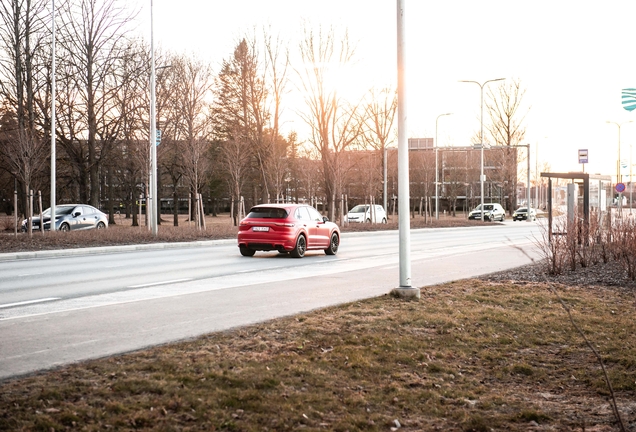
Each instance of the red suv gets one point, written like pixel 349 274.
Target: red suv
pixel 287 228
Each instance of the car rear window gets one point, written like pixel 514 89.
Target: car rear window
pixel 267 213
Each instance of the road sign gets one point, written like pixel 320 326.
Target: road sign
pixel 158 137
pixel 620 187
pixel 582 156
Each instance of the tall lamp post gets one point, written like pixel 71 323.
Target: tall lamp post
pixel 527 146
pixel 618 163
pixel 53 155
pixel 482 177
pixel 436 167
pixel 153 132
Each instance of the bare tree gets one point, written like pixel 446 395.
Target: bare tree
pixel 91 43
pixel 379 116
pixel 192 100
pixel 24 144
pixel 276 80
pixel 129 159
pixel 334 122
pixel 507 114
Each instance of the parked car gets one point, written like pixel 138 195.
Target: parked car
pixel 522 214
pixel 71 217
pixel 287 228
pixel 362 213
pixel 492 212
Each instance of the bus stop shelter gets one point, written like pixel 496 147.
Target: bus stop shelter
pixel 600 184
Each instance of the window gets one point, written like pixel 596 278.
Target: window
pixel 301 214
pixel 315 215
pixel 267 213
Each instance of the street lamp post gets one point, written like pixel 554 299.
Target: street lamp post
pixel 153 132
pixel 618 164
pixel 481 139
pixel 436 168
pixel 527 146
pixel 53 155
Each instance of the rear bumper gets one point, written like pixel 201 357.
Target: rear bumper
pixel 267 242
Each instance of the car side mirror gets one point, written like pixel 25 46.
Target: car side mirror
pixel 76 214
pixel 325 219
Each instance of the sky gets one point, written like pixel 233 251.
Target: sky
pixel 572 58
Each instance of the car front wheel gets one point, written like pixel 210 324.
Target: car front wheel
pixel 101 225
pixel 64 227
pixel 300 248
pixel 333 245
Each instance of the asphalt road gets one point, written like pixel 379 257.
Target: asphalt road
pixel 59 307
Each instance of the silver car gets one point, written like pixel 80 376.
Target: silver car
pixel 71 217
pixel 492 212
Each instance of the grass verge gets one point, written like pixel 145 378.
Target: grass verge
pixel 469 356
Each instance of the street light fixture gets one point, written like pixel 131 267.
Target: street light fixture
pixel 436 167
pixel 481 138
pixel 618 164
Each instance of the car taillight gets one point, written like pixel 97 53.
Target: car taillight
pixel 288 225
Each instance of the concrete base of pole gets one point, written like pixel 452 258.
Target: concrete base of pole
pixel 406 293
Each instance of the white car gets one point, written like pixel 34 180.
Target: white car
pixel 362 213
pixel 492 212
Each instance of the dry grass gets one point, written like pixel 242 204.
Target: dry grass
pixel 470 356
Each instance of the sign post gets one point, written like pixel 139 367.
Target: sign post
pixel 583 157
pixel 620 188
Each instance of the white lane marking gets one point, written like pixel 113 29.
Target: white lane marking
pixel 8 305
pixel 115 266
pixel 160 283
pixel 30 274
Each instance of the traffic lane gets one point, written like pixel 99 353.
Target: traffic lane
pixel 114 272
pixel 316 266
pixel 73 277
pixel 46 341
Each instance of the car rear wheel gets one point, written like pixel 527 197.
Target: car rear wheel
pixel 333 245
pixel 301 247
pixel 245 251
pixel 383 220
pixel 101 225
pixel 64 227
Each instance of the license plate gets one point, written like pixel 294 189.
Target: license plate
pixel 260 228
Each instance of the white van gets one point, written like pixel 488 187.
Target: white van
pixel 362 213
